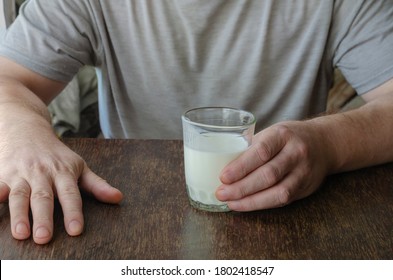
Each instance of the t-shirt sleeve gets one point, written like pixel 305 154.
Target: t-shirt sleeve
pixel 53 38
pixel 363 37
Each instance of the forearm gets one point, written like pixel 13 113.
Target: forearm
pixel 358 138
pixel 19 107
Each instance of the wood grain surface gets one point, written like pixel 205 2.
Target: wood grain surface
pixel 350 217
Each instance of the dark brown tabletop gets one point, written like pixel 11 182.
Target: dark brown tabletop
pixel 350 217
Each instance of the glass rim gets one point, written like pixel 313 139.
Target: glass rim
pixel 251 122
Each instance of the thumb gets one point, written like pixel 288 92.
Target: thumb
pixel 98 187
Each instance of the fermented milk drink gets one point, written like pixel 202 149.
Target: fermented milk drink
pixel 203 166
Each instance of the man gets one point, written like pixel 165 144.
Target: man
pixel 155 59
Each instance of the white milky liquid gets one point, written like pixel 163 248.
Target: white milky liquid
pixel 203 166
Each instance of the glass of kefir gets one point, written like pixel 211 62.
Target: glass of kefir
pixel 213 137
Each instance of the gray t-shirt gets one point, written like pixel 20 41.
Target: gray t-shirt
pixel 156 59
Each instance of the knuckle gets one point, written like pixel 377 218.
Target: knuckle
pixel 39 167
pixel 69 192
pixel 302 150
pixel 69 196
pixel 306 170
pixel 284 197
pixel 263 152
pixel 243 191
pixel 42 195
pixel 252 204
pixel 52 166
pixel 270 175
pixel 283 131
pixel 3 184
pixel 20 190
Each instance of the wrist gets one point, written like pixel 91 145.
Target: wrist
pixel 352 139
pixel 329 143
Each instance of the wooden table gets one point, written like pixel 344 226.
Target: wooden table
pixel 350 217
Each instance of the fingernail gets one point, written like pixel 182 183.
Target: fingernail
pixel 222 194
pixel 227 177
pixel 75 227
pixel 22 229
pixel 42 232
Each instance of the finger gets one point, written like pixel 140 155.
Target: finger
pixel 265 146
pixel 4 192
pixel 71 203
pixel 296 185
pixel 260 179
pixel 99 188
pixel 19 203
pixel 42 205
pixel 277 196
